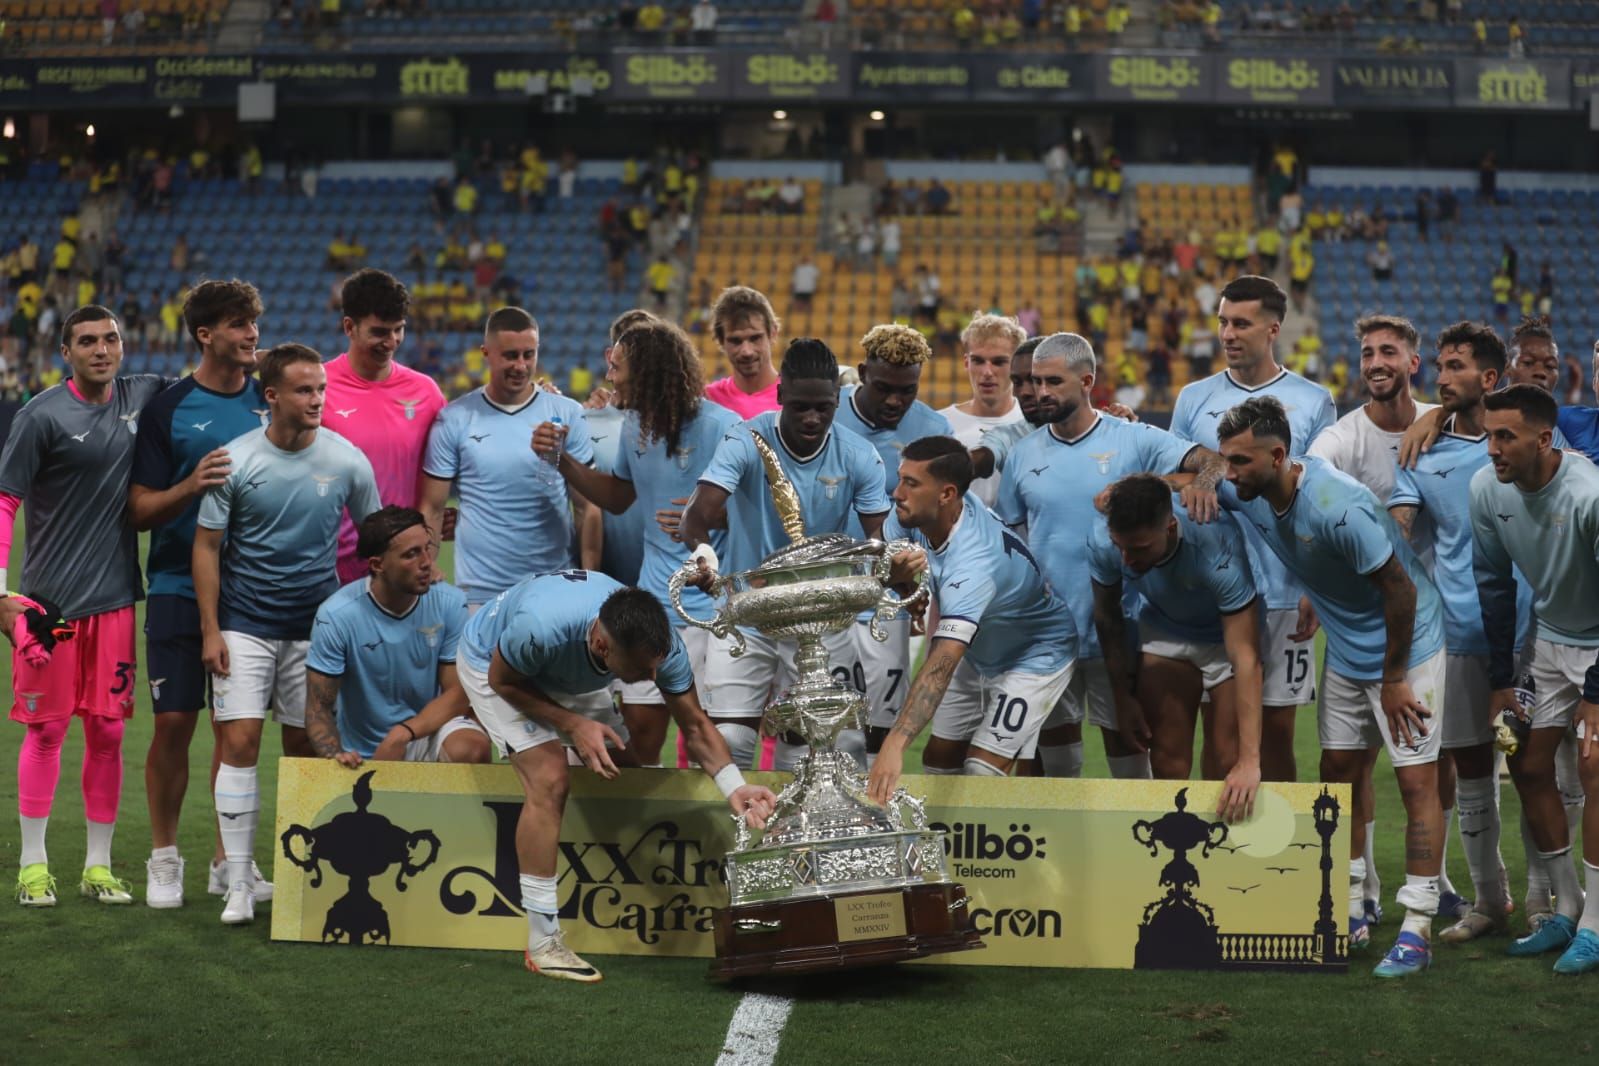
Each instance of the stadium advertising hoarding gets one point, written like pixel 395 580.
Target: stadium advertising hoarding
pixel 705 75
pixel 1061 873
pixel 1394 83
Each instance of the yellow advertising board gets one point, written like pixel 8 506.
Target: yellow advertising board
pixel 1061 873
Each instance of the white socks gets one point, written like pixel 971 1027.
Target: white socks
pixel 1538 891
pixel 1061 760
pixel 33 839
pixel 99 852
pixel 1419 897
pixel 1444 884
pixel 1130 767
pixel 540 902
pixel 1479 834
pixel 1373 882
pixel 1563 881
pixel 979 768
pixel 168 852
pixel 1590 915
pixel 1357 889
pixel 238 807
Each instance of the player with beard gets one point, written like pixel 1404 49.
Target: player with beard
pixel 480 446
pixel 1249 318
pixel 1436 496
pixel 1538 511
pixel 1383 674
pixel 745 328
pixel 839 480
pixel 668 435
pixel 1047 489
pixel 998 619
pixel 989 342
pixel 884 410
pixel 1365 445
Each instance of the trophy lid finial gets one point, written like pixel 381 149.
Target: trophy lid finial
pixel 784 498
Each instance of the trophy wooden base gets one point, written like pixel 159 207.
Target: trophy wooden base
pixel 841 932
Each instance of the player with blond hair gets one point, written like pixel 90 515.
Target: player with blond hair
pixel 988 342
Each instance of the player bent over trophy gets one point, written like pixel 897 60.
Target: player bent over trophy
pixel 833 881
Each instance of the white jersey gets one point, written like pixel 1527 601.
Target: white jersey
pixel 1355 445
pixel 969 431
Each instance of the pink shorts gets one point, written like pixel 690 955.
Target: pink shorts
pixel 93 673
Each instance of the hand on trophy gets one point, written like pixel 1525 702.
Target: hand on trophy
pixel 704 576
pixel 590 738
pixel 753 803
pixel 905 566
pixel 886 770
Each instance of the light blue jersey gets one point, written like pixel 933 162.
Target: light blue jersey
pixel 281 512
pixel 920 421
pixel 1049 486
pixel 515 520
pixel 658 479
pixel 1195 416
pixel 992 597
pixel 1185 594
pixel 1332 538
pixel 1440 486
pixel 388 663
pixel 541 626
pixel 1552 535
pixel 842 479
pixel 622 546
pixel 999 440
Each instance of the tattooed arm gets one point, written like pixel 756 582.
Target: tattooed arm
pixel 1404 515
pixel 926 693
pixel 321 718
pixel 1199 497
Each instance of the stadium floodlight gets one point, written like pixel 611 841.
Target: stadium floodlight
pixel 877 116
pixel 88 131
pixel 10 130
pixel 779 115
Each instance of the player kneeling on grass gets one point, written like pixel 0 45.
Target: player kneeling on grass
pixel 382 648
pixel 537 663
pixel 998 622
pixel 1200 628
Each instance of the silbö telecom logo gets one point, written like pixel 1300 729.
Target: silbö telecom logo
pixel 969 844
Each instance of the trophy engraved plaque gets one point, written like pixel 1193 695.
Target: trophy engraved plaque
pixel 833 881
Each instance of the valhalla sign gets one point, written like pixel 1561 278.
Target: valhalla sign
pixel 1059 872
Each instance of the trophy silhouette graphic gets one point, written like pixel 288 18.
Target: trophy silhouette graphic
pixel 360 845
pixel 1178 931
pixel 833 881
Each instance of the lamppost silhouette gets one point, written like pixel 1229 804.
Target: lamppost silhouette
pixel 1325 810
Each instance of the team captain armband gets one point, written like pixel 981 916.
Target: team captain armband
pixel 956 628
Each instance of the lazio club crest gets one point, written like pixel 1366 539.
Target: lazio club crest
pixel 410 408
pixel 323 482
pixel 830 485
pixel 1103 459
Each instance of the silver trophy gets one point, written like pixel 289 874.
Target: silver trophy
pixel 834 880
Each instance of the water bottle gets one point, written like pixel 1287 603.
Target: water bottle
pixel 546 469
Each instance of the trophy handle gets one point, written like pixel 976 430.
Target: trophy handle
pixel 891 602
pixel 720 627
pixel 309 863
pixel 1218 840
pixel 407 867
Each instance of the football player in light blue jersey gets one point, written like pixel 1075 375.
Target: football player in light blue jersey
pixel 1048 488
pixel 884 410
pixel 258 590
pixel 997 620
pixel 380 675
pixel 537 663
pixel 1200 629
pixel 668 437
pixel 515 513
pixel 1249 318
pixel 1436 495
pixel 1538 510
pixel 1383 675
pixel 839 480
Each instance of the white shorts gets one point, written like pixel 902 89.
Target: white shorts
pixel 1210 659
pixel 1468 723
pixel 262 674
pixel 1087 696
pixel 885 668
pixel 1012 708
pixel 742 687
pixel 1288 668
pixel 1558 671
pixel 1349 714
pixel 511 731
pixel 697 642
pixel 431 749
pixel 960 712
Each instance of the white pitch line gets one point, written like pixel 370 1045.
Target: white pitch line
pixel 755 1031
